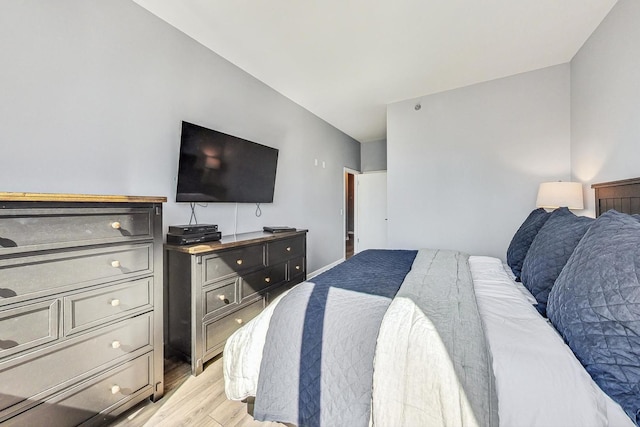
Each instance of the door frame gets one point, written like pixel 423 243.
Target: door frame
pixel 353 172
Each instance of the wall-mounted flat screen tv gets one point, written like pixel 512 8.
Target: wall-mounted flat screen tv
pixel 216 167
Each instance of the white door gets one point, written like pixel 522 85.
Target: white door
pixel 372 211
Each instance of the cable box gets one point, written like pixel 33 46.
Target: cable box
pixel 193 229
pixel 192 239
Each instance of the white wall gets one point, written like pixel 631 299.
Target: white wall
pixel 605 101
pixel 92 95
pixel 463 171
pixel 373 156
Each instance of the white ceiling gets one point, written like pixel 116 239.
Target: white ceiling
pixel 345 60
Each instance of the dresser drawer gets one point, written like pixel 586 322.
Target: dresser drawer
pixel 263 279
pixel 34 276
pixel 225 263
pixel 87 309
pixel 218 297
pixel 40 229
pixel 296 268
pixel 282 250
pixel 42 376
pixel 83 402
pixel 28 327
pixel 216 333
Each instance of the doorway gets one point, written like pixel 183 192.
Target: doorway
pixel 350 213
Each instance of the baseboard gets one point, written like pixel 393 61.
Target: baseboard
pixel 323 269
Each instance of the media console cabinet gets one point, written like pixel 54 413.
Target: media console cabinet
pixel 80 307
pixel 213 289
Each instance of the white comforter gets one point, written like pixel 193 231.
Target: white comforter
pixel 539 381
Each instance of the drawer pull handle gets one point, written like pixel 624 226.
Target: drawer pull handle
pixel 115 344
pixel 288 248
pixel 115 389
pixel 115 302
pixel 267 279
pixel 221 297
pixel 297 267
pixel 116 225
pixel 239 262
pixel 239 321
pixel 115 264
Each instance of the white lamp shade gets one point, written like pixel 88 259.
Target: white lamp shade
pixel 557 194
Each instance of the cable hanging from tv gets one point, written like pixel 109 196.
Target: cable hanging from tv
pixel 258 210
pixel 193 218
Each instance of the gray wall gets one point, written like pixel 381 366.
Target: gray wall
pixel 92 97
pixel 373 156
pixel 464 170
pixel 605 101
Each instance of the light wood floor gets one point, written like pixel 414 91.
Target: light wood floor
pixel 191 401
pixel 349 246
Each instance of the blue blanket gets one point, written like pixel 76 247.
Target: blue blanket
pixel 317 364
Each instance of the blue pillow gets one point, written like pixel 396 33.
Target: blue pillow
pixel 521 241
pixel 550 251
pixel 595 305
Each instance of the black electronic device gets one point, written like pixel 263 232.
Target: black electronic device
pixel 278 229
pixel 193 229
pixel 216 167
pixel 192 239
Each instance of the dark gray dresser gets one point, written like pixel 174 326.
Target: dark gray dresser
pixel 80 306
pixel 213 289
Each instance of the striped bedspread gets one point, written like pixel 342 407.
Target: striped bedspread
pixel 428 364
pixel 322 339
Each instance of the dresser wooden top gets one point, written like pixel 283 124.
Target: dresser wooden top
pixel 54 197
pixel 233 240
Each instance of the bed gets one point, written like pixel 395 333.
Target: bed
pixel 431 337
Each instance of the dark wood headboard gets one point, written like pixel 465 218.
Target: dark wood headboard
pixel 623 196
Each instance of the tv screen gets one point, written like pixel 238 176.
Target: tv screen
pixel 216 167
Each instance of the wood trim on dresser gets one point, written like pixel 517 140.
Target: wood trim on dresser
pixel 234 240
pixel 55 197
pixel 622 195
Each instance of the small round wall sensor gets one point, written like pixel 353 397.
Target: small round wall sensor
pixel 417 107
